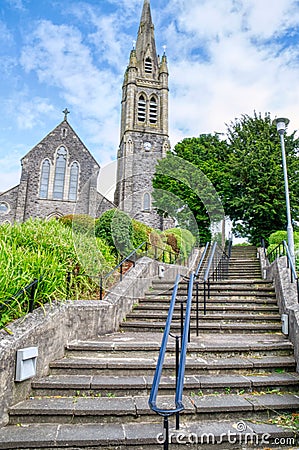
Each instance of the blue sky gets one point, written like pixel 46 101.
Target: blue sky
pixel 226 58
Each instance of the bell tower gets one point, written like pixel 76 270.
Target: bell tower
pixel 144 125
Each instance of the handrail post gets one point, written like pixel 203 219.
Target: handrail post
pixel 205 301
pixel 197 310
pixel 68 284
pixel 101 288
pixel 177 361
pixel 182 318
pixel 32 295
pixel 166 433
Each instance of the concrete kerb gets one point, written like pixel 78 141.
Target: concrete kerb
pixel 286 293
pixel 52 327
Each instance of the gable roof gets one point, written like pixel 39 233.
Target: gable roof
pixel 63 124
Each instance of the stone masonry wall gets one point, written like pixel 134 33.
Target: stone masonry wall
pixel 9 198
pixel 286 293
pixel 52 328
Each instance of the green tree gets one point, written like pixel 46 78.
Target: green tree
pixel 115 227
pixel 246 171
pixel 256 200
pixel 192 185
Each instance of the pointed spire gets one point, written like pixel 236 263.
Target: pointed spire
pixel 146 45
pixel 146 12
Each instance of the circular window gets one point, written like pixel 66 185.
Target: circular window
pixel 4 208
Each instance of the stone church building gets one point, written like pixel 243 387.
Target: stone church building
pixel 59 175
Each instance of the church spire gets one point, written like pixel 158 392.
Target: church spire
pixel 146 45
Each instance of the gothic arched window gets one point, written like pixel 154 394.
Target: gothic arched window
pixel 148 65
pixel 44 179
pixel 153 110
pixel 59 174
pixel 141 108
pixel 146 202
pixel 74 178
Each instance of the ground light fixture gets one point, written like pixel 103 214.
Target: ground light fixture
pixel 281 126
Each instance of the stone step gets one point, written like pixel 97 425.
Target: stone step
pixel 204 327
pixel 120 386
pixel 231 288
pixel 222 299
pixel 147 436
pixel 252 282
pixel 121 366
pixel 211 345
pixel 212 307
pixel 152 316
pixel 244 273
pixel 80 410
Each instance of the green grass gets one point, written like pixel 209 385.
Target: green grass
pixel 48 249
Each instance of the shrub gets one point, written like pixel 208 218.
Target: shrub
pixel 172 242
pixel 115 228
pixel 277 237
pixel 185 240
pixel 141 233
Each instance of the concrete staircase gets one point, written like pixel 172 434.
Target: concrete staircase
pixel 240 377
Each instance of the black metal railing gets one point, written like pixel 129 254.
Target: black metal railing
pixel 280 250
pixel 202 259
pixel 180 361
pixel 217 266
pixel 131 258
pixel 156 252
pixel 144 249
pixel 27 291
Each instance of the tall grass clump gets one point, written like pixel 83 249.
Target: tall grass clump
pixel 47 250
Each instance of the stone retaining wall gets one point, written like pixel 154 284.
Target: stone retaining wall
pixel 51 328
pixel 286 293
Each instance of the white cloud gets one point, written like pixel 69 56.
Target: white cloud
pixel 222 66
pixel 59 57
pixel 30 111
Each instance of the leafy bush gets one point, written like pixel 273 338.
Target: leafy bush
pixel 279 236
pixel 172 242
pixel 141 233
pixel 115 227
pixel 185 240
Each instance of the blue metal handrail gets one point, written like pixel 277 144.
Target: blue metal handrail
pixel 210 262
pixel 159 368
pixel 182 360
pixel 202 259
